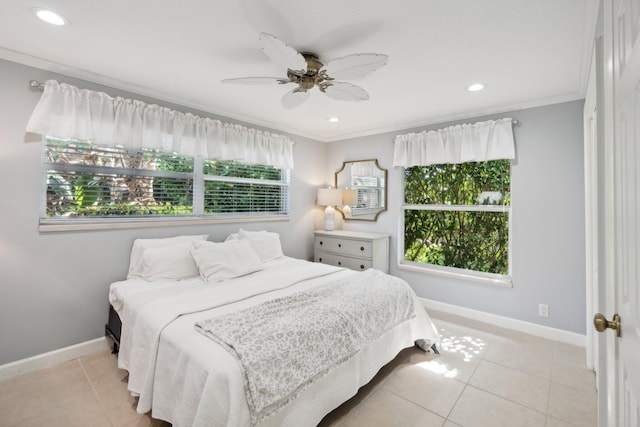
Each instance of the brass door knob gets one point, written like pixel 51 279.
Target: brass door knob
pixel 601 323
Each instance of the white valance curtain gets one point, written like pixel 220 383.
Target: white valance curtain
pixel 65 111
pixel 477 142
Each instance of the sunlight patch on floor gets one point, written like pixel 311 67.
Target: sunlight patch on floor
pixel 468 346
pixel 438 368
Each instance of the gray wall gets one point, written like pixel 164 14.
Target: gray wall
pixel 548 245
pixel 54 285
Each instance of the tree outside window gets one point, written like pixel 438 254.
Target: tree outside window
pixel 83 180
pixel 457 215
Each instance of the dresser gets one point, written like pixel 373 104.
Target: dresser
pixel 352 249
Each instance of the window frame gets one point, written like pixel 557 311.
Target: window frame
pixel 454 272
pixel 197 217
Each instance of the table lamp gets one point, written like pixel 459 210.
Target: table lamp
pixel 329 197
pixel 349 198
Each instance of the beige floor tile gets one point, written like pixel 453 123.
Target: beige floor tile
pixel 406 357
pixel 532 357
pixel 385 409
pixel 420 385
pixel 461 349
pixel 48 378
pixel 447 317
pixel 102 370
pixel 53 394
pixel 506 372
pixel 541 342
pixel 448 364
pixel 82 414
pixel 478 408
pixel 145 421
pixel 468 343
pixel 119 404
pixel 573 406
pixel 574 376
pixel 554 422
pixel 573 354
pixel 525 389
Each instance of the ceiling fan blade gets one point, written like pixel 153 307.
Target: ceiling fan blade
pixel 355 66
pixel 282 54
pixel 294 98
pixel 343 91
pixel 253 80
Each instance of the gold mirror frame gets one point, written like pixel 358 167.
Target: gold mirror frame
pixel 370 185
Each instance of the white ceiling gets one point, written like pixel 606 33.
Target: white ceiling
pixel 526 52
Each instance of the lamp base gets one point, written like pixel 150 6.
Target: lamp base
pixel 346 210
pixel 329 218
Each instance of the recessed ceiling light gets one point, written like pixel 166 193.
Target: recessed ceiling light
pixel 475 87
pixel 50 17
pixel 333 119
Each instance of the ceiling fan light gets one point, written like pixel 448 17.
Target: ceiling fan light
pixel 50 17
pixel 475 87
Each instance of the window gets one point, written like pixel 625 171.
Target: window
pixel 456 217
pixel 84 180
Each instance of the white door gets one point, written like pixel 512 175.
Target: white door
pixel 591 168
pixel 619 384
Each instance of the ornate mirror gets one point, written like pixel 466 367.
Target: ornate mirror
pixel 364 189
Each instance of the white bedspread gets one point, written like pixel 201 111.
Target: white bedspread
pixel 190 380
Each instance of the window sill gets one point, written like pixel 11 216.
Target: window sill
pixel 55 225
pixel 466 275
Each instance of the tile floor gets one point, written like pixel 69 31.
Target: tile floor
pixel 484 376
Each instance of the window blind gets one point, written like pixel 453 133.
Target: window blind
pixel 83 180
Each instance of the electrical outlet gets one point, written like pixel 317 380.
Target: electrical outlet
pixel 543 310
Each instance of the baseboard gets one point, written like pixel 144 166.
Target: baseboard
pixel 52 358
pixel 508 323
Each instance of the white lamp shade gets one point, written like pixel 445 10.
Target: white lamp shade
pixel 329 196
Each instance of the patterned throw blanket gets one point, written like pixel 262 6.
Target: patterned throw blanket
pixel 285 344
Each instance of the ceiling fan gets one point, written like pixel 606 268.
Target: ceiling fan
pixel 306 71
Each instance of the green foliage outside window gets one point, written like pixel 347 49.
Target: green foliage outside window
pixel 234 196
pixel 457 215
pixel 85 180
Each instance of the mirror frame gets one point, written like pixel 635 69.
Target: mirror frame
pixel 380 210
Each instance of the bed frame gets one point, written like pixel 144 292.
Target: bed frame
pixel 113 329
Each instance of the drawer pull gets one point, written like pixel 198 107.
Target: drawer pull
pixel 361 267
pixel 320 242
pixel 320 259
pixel 339 245
pixel 339 262
pixel 362 248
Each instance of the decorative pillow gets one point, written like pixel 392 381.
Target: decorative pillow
pixel 266 244
pixel 139 246
pixel 172 262
pixel 221 261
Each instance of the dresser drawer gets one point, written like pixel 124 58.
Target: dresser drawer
pixel 342 261
pixel 352 249
pixel 357 248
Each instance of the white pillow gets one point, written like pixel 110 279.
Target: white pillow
pixel 221 261
pixel 139 246
pixel 172 262
pixel 266 244
pixel 232 236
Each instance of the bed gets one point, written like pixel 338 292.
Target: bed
pixel 281 345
